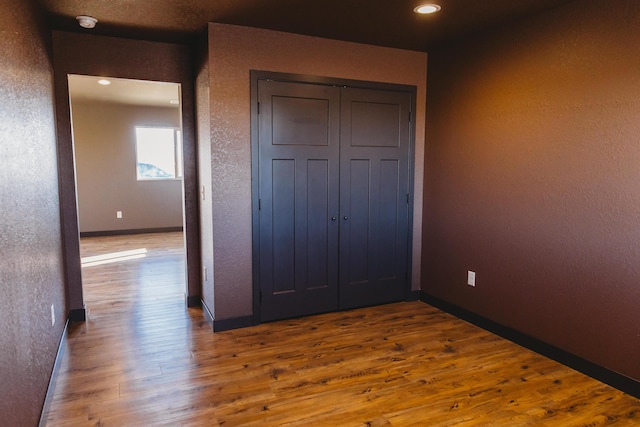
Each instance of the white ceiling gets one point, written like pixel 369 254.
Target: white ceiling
pixel 124 91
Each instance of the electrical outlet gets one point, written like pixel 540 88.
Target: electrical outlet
pixel 53 315
pixel 471 278
pixel 119 214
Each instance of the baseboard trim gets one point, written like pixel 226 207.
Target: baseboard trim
pixel 208 316
pixel 128 232
pixel 234 323
pixel 193 301
pixel 78 315
pixel 62 345
pixel 600 373
pixel 413 296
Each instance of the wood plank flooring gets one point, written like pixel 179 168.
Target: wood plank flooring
pixel 144 359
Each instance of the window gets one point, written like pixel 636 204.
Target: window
pixel 158 153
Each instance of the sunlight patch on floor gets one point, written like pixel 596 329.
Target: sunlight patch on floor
pixel 92 261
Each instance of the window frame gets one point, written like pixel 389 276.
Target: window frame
pixel 178 166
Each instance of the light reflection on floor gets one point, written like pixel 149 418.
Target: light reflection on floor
pixel 92 261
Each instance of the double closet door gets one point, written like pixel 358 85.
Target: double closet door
pixel 333 171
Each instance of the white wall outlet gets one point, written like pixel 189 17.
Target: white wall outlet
pixel 53 315
pixel 471 278
pixel 119 214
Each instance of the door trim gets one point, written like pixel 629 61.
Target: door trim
pixel 70 57
pixel 255 76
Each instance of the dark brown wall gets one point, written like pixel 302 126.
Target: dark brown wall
pixel 233 52
pixel 132 59
pixel 533 178
pixel 31 266
pixel 203 127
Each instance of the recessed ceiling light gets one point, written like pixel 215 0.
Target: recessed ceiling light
pixel 425 9
pixel 104 82
pixel 87 21
pixel 173 102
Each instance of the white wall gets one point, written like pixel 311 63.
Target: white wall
pixel 104 141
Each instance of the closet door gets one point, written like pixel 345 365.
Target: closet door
pixel 298 197
pixel 374 187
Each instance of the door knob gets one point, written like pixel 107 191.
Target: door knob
pixel 346 218
pixel 333 218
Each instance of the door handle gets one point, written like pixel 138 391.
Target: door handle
pixel 346 217
pixel 333 218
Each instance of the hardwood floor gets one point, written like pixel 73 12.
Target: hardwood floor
pixel 143 358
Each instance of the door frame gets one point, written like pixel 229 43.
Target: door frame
pixel 86 54
pixel 255 76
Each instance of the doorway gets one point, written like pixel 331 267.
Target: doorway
pixel 333 194
pixel 129 172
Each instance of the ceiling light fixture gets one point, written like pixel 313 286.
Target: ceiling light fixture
pixel 174 102
pixel 426 9
pixel 104 82
pixel 87 21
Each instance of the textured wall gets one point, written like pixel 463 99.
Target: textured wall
pixel 203 128
pixel 31 267
pixel 130 59
pixel 533 178
pixel 233 52
pixel 104 142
